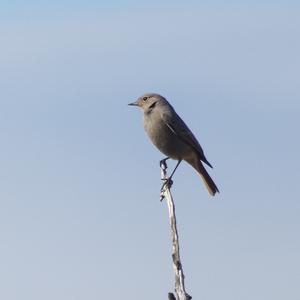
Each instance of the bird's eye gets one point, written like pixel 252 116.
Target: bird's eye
pixel 145 98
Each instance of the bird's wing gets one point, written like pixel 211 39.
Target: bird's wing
pixel 178 127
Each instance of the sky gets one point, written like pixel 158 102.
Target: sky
pixel 80 216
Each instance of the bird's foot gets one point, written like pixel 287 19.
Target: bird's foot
pixel 167 183
pixel 163 163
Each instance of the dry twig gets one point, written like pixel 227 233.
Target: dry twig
pixel 177 265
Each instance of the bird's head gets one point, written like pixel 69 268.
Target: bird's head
pixel 149 101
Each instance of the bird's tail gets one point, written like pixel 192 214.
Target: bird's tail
pixel 209 183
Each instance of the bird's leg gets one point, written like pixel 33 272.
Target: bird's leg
pixel 163 162
pixel 169 181
pixel 178 163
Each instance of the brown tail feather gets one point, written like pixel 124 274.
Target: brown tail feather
pixel 209 183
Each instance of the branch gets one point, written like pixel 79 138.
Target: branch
pixel 177 265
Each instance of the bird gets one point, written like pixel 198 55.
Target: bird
pixel 172 137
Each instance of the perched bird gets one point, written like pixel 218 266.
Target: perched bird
pixel 172 137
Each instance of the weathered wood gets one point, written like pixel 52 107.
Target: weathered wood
pixel 177 265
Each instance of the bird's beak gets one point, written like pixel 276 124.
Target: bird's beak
pixel 134 103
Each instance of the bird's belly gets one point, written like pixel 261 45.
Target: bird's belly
pixel 167 141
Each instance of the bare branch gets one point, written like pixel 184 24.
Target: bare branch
pixel 177 265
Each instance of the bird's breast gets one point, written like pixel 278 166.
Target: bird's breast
pixel 164 138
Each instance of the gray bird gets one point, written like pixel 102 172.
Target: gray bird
pixel 172 137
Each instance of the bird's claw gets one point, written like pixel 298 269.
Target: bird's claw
pixel 167 183
pixel 163 163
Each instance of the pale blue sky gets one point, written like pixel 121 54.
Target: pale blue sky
pixel 80 216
